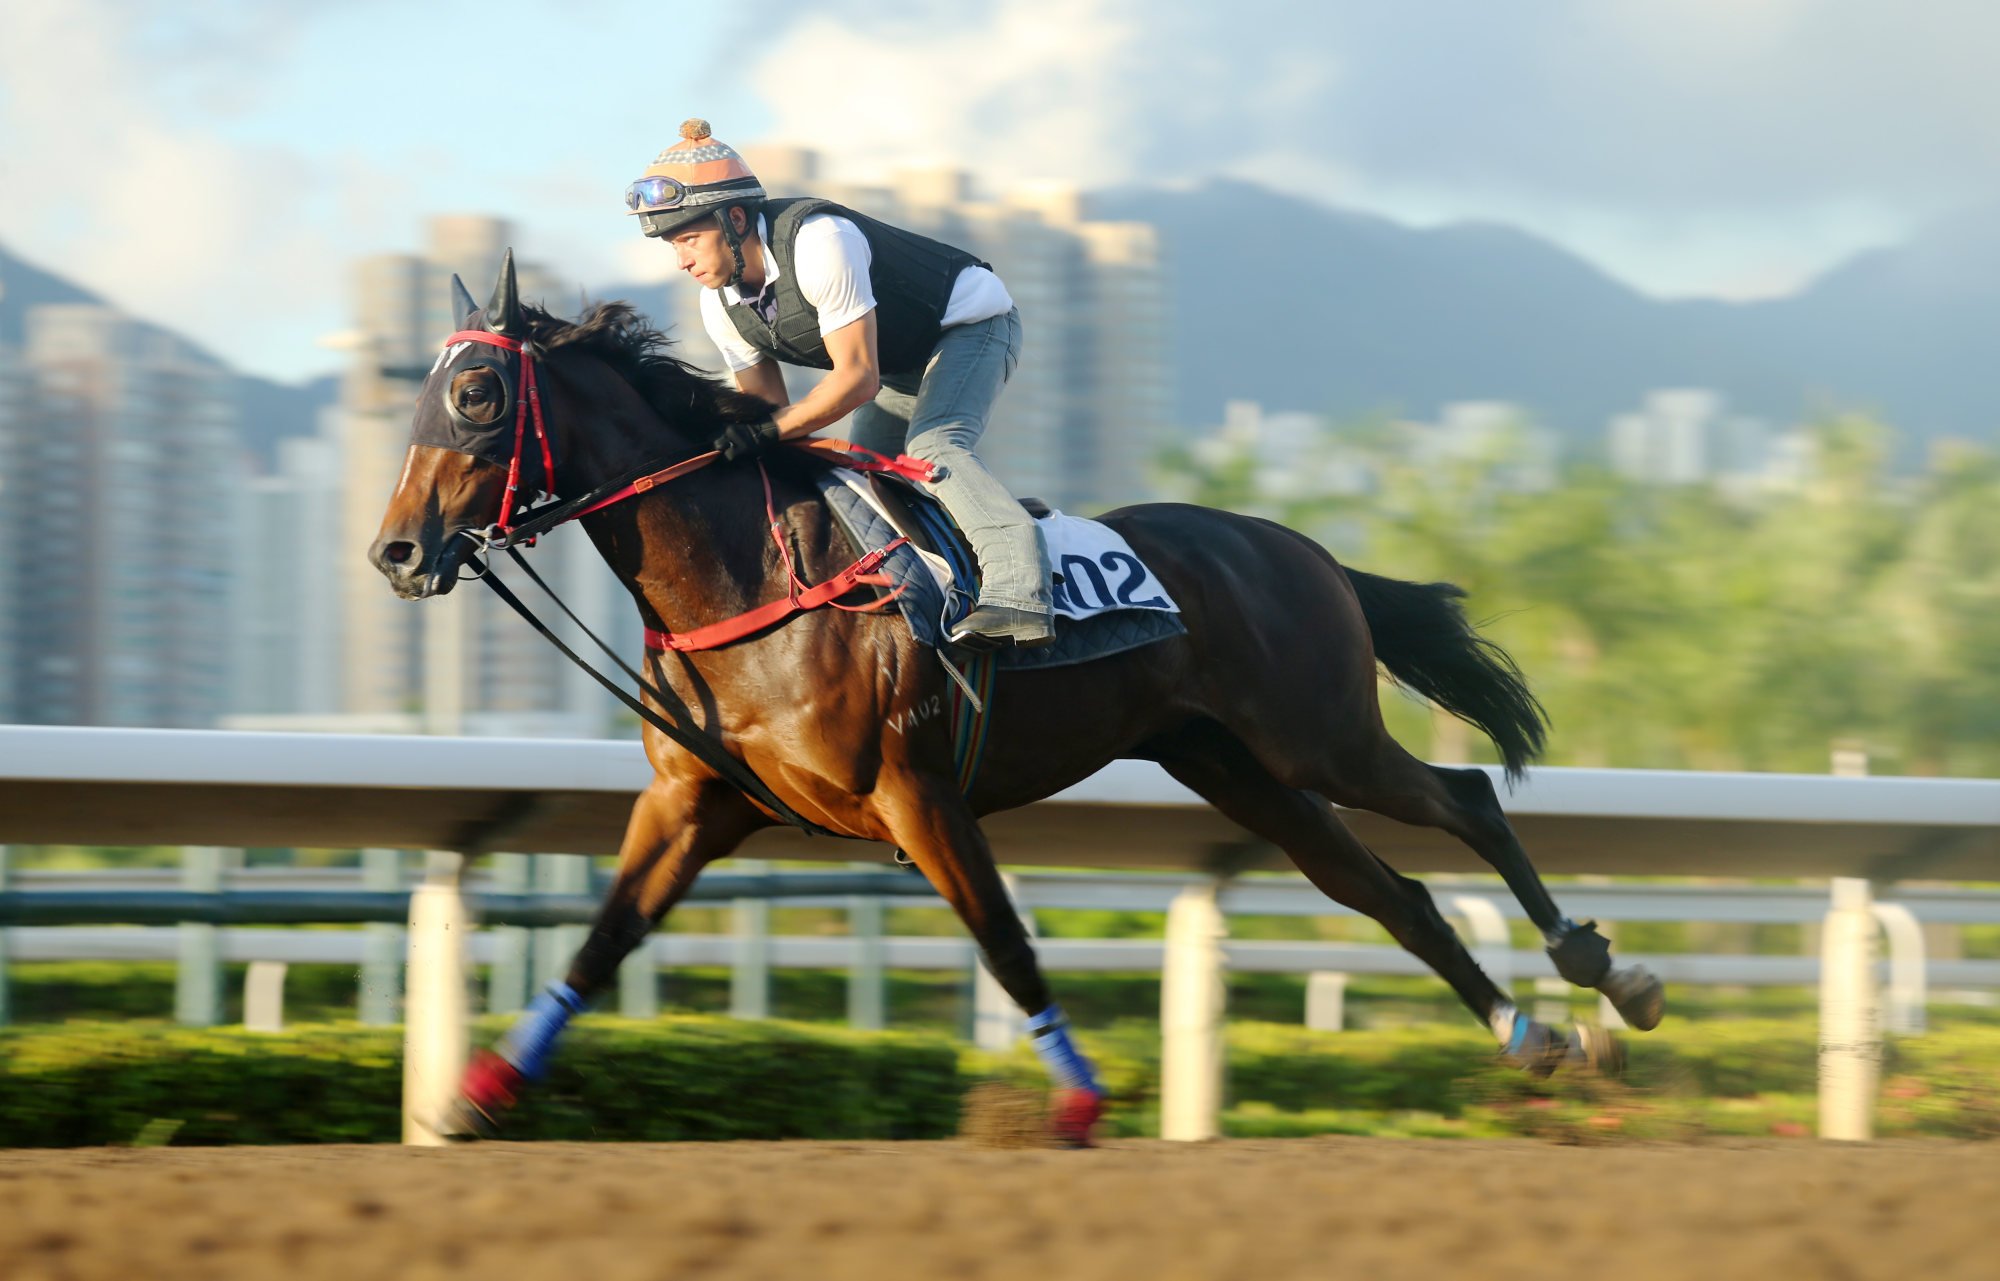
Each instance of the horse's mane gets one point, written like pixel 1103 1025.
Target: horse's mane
pixel 617 334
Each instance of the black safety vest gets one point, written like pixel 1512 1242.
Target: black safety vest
pixel 912 277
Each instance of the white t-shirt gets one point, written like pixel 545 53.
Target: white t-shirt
pixel 832 258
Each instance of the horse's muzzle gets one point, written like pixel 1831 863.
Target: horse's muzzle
pixel 414 571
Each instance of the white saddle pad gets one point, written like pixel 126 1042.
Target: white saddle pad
pixel 1096 570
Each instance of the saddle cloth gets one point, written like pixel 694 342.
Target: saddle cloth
pixel 1106 600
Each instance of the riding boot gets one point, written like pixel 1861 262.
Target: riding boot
pixel 990 626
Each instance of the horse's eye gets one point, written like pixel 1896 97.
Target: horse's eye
pixel 474 394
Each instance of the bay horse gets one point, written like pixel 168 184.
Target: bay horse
pixel 1266 706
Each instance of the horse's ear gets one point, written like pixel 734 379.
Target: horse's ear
pixel 503 313
pixel 462 305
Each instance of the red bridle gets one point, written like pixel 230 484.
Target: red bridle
pixel 798 595
pixel 530 400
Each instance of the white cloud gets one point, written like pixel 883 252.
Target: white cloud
pixel 132 196
pixel 1025 89
pixel 1728 145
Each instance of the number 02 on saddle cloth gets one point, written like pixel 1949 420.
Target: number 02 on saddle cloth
pixel 1106 599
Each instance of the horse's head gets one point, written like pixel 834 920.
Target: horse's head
pixel 467 441
pixel 479 451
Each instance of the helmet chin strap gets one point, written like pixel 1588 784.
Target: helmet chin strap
pixel 735 241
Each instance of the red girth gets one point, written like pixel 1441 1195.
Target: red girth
pixel 799 596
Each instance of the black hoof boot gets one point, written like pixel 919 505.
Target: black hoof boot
pixel 1581 954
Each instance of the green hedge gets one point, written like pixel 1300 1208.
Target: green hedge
pixel 1723 1077
pixel 708 1078
pixel 87 1084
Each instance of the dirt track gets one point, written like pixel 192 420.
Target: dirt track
pixel 1349 1208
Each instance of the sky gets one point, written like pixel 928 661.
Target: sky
pixel 217 168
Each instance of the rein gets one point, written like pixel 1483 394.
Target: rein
pixel 505 535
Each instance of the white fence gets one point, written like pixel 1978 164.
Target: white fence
pixel 476 796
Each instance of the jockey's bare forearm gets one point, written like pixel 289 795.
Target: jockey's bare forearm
pixel 850 384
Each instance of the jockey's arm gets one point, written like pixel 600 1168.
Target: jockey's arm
pixel 765 381
pixel 850 384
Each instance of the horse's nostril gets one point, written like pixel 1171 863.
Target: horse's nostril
pixel 397 553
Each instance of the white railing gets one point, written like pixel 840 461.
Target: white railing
pixel 105 787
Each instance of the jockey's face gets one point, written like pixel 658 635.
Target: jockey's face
pixel 701 251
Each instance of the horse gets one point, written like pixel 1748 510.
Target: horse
pixel 1266 706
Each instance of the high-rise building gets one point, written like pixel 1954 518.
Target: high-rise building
pixel 12 536
pixel 1683 436
pixel 286 628
pixel 124 481
pixel 462 663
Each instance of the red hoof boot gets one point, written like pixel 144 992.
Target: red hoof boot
pixel 1073 1115
pixel 490 1086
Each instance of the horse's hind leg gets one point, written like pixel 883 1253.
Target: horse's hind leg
pixel 1462 802
pixel 930 821
pixel 1226 775
pixel 676 829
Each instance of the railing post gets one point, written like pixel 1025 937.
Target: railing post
pixel 508 980
pixel 1908 987
pixel 556 945
pixel 867 974
pixel 198 979
pixel 264 997
pixel 382 945
pixel 1192 995
pixel 1850 1037
pixel 6 1003
pixel 1326 1001
pixel 1491 945
pixel 750 970
pixel 639 982
pixel 434 1022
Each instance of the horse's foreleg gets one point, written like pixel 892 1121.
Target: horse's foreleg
pixel 676 829
pixel 932 824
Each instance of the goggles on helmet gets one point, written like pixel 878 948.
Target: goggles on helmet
pixel 650 194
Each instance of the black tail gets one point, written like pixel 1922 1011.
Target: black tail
pixel 1422 637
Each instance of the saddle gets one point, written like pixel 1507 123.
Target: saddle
pixel 937 575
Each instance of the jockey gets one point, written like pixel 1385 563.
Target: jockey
pixel 918 339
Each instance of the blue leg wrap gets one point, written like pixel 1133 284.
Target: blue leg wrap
pixel 1048 1033
pixel 528 1043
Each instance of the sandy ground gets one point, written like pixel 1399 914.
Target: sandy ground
pixel 1347 1208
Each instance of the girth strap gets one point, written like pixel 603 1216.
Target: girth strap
pixel 860 574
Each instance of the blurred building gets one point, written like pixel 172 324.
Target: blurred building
pixel 1293 455
pixel 1289 455
pixel 462 663
pixel 286 630
pixel 124 456
pixel 13 535
pixel 1686 436
pixel 1088 405
pixel 1523 457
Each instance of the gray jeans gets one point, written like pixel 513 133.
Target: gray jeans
pixel 940 422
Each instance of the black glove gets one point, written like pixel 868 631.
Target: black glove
pixel 743 440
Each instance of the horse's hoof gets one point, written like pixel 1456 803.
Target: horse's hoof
pixel 1597 1050
pixel 490 1086
pixel 464 1123
pixel 1539 1050
pixel 1535 1048
pixel 1073 1118
pixel 1638 996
